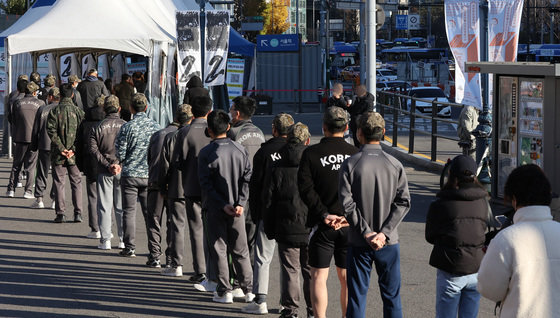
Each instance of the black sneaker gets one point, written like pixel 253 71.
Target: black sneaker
pixel 60 218
pixel 127 252
pixel 78 218
pixel 154 263
pixel 197 279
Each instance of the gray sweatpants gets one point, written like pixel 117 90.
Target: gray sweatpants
pixel 24 160
pixel 227 234
pixel 196 234
pixel 109 197
pixel 177 243
pixel 293 265
pixel 43 166
pixel 156 205
pixel 264 252
pixel 91 189
pixel 59 174
pixel 133 190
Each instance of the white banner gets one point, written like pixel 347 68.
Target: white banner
pixel 216 47
pixel 188 47
pixel 504 19
pixel 68 66
pixel 235 74
pixel 462 25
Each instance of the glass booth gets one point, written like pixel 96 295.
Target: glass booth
pixel 526 118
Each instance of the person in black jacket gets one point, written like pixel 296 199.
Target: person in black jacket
pixel 456 225
pixel 285 221
pixel 337 99
pixel 91 88
pixel 264 248
pixel 194 89
pixel 318 187
pixel 364 102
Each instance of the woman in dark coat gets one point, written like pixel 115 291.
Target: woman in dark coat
pixel 194 89
pixel 456 225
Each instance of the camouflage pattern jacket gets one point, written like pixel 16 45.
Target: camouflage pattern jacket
pixel 62 127
pixel 132 145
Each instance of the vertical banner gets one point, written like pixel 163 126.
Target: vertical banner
pixel 68 66
pixel 462 26
pixel 216 48
pixel 188 47
pixel 235 74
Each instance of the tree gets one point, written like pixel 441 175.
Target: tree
pixel 276 17
pixel 15 6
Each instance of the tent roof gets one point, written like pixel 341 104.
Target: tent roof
pixel 240 45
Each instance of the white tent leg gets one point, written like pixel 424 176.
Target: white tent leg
pixel 9 89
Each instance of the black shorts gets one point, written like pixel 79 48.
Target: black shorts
pixel 325 243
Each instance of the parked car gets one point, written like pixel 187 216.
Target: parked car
pixel 350 73
pixel 430 93
pixel 401 87
pixel 385 74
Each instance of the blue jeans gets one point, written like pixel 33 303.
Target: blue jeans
pixel 456 294
pixel 358 271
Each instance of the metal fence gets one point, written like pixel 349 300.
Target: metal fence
pixel 396 108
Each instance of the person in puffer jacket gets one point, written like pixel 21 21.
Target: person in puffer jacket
pixel 285 219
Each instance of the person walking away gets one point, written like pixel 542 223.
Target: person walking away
pixel 88 166
pixel 132 153
pixel 49 83
pixel 285 221
pixel 373 189
pixel 101 145
pixel 91 88
pixel 16 94
pixel 363 102
pixel 164 182
pixel 194 89
pixel 317 183
pixel 74 80
pixel 124 91
pixel 520 270
pixel 42 143
pixel 456 225
pixel 251 137
pixel 22 119
pixel 62 127
pixel 224 171
pixel 264 248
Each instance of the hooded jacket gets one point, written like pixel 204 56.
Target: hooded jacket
pixel 361 105
pixel 83 153
pixel 194 89
pixel 456 225
pixel 286 214
pixel 90 89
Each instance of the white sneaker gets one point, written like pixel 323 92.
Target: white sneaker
pixel 10 194
pixel 105 245
pixel 226 298
pixel 173 271
pixel 206 286
pixel 254 308
pixel 249 297
pixel 38 205
pixel 238 293
pixel 94 235
pixel 121 242
pixel 19 185
pixel 28 195
pixel 53 205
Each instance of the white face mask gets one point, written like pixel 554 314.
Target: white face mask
pixel 230 117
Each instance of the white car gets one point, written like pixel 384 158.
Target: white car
pixel 430 93
pixel 385 74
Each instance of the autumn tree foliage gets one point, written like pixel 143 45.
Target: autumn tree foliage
pixel 276 17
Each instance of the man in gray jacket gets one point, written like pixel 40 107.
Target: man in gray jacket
pixel 374 192
pixel 224 172
pixel 102 145
pixel 22 120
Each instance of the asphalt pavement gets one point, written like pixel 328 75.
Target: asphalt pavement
pixel 52 270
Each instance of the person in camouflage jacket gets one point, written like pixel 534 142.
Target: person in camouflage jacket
pixel 62 127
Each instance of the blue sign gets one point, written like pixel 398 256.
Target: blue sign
pixel 278 43
pixel 402 22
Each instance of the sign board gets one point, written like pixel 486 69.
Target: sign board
pixel 278 43
pixel 336 25
pixel 234 78
pixel 414 22
pixel 348 5
pixel 252 26
pixel 402 22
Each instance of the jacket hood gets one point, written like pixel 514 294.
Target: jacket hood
pixel 291 154
pixel 95 114
pixel 465 193
pixel 195 81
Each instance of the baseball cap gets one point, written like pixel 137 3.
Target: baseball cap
pixel 55 92
pixel 31 87
pixel 463 165
pixel 73 78
pixel 49 80
pixel 336 116
pixel 91 71
pixel 111 104
pixel 300 132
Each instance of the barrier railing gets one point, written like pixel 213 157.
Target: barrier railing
pixel 398 106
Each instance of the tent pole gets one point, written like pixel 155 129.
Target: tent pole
pixel 8 91
pixel 34 56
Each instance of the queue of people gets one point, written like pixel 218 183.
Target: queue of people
pixel 240 196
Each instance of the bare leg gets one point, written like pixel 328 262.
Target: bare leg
pixel 343 290
pixel 319 294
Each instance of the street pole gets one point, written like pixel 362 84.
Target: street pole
pixel 300 71
pixel 202 37
pixel 323 36
pixel 371 29
pixel 362 42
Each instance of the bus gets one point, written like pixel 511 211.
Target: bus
pixel 342 55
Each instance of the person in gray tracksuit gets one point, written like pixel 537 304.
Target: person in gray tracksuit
pixel 189 141
pixel 373 189
pixel 42 143
pixel 224 171
pixel 102 146
pixel 22 120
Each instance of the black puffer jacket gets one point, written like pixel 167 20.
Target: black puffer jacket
pixel 286 213
pixel 84 158
pixel 194 89
pixel 456 225
pixel 361 105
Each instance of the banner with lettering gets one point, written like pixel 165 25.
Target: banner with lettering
pixel 235 74
pixel 462 26
pixel 188 47
pixel 216 47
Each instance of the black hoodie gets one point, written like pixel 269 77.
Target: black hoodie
pixel 85 159
pixel 194 89
pixel 286 213
pixel 456 224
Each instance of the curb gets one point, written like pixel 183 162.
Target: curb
pixel 403 155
